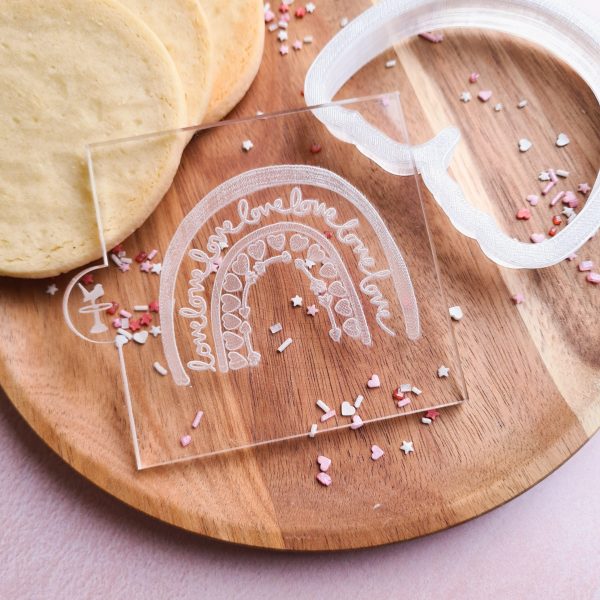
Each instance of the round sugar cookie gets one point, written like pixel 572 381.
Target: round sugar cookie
pixel 182 27
pixel 238 32
pixel 74 72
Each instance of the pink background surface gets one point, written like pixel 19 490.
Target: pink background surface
pixel 60 537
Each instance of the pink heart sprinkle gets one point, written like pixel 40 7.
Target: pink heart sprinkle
pixel 357 422
pixel 523 214
pixel 324 479
pixel 518 298
pixel 533 199
pixel 376 452
pixel 484 95
pixel 536 238
pixel 592 278
pixel 374 382
pixel 185 440
pixel 324 463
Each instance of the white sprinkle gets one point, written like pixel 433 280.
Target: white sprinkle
pixel 155 330
pixel 247 145
pixel 197 419
pixel 313 430
pixel 141 308
pixel 499 107
pixel 159 368
pixel 185 440
pixel 296 300
pixel 276 328
pixel 126 261
pixel 310 8
pixel 52 289
pixel 443 371
pixel 426 420
pixel 405 387
pixel 122 254
pixel 282 36
pixel 323 406
pixel 358 401
pixel 522 104
pixel 308 39
pixel 125 322
pixel 284 345
pixel 456 313
pixel 116 260
pixel 390 63
pixel 282 24
pixel 273 27
pixel 416 391
pixel 562 173
pixel 152 254
pixel 122 331
pixel 544 176
pixel 156 268
pixel 465 97
pixel 376 506
pixel 344 21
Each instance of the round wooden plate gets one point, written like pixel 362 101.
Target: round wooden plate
pixel 533 370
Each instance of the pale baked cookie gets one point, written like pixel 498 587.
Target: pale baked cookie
pixel 183 29
pixel 73 72
pixel 238 31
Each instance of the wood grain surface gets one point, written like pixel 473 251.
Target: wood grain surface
pixel 533 370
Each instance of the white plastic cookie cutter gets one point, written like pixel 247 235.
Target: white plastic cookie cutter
pixel 556 28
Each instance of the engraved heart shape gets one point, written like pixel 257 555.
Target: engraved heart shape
pixel 231 321
pixel 237 361
pixel 328 271
pixel 232 340
pixel 376 452
pixel 374 382
pixel 244 312
pixel 344 308
pixel 241 265
pixel 257 249
pixel 356 422
pixel 347 409
pixel 324 463
pixel 298 242
pixel 562 140
pixel 337 289
pixel 277 242
pixel 230 302
pixel 351 328
pixel 316 253
pixel 140 336
pixel 232 283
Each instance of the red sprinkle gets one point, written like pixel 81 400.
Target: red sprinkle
pixel 146 319
pixel 118 248
pixel 114 307
pixel 141 257
pixel 87 279
pixel 153 306
pixel 523 214
pixel 300 12
pixel 328 234
pixel 397 394
pixel 552 231
pixel 316 148
pixel 432 414
pixel 283 8
pixel 134 324
pixel 556 219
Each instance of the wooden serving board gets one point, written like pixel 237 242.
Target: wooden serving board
pixel 533 371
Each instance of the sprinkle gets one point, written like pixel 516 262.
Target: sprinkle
pixel 568 212
pixel 403 403
pixel 376 452
pixel 328 415
pixel 357 422
pixel 146 319
pixel 585 265
pixel 328 234
pixel 552 231
pixel 153 306
pixel 548 187
pixel 116 260
pixel 300 12
pixel 556 199
pixel 308 39
pixel 269 16
pixel 405 388
pixel 374 382
pixel 344 21
pixel 407 447
pixel 537 238
pixel 397 394
pixel 562 140
pixel 124 267
pixel 282 36
pixel 87 279
pixel 584 188
pixel 315 148
pixel 443 371
pixel 556 220
pixel 324 463
pixel 593 277
pixel 297 45
pixel 524 144
pixel 570 200
pixel 296 300
pixel 283 8
pixel 309 265
pixel 484 95
pixel 426 421
pixel 518 298
pixel 522 104
pixel 118 248
pixel 273 27
pixel 52 289
pixel 323 478
pixel 114 306
pixel 313 430
pixel 156 268
pixel 432 414
pixel 434 38
pixel 134 324
pixel 562 173
pixel 197 418
pixel 312 310
pixel 124 313
pixel 572 257
pixel 125 323
pixel 155 331
pixel 465 97
pixel 185 440
pixel 498 107
pixel 146 266
pixel 473 77
pixel 122 253
pixel 456 313
pixel 276 328
pixel 323 406
pixel 247 145
pixel 416 391
pixel 159 368
pixel 523 214
pixel 141 257
pixel 140 307
pixel 358 401
pixel 544 176
pixel 284 345
pixel 533 199
pixel 283 49
pixel 347 409
pixel 310 8
pixel 552 175
pixel 140 337
pixel 116 323
pixel 152 254
pixel 390 63
pixel 125 333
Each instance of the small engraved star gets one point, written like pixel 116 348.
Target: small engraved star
pixel 309 263
pixel 52 289
pixel 312 310
pixel 443 371
pixel 407 447
pixel 310 8
pixel 584 188
pixel 465 97
pixel 156 268
pixel 296 301
pixel 155 331
pixel 247 145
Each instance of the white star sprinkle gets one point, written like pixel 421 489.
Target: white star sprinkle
pixel 296 300
pixel 282 36
pixel 309 263
pixel 52 289
pixel 156 268
pixel 465 97
pixel 407 447
pixel 247 145
pixel 312 310
pixel 310 8
pixel 155 331
pixel 443 371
